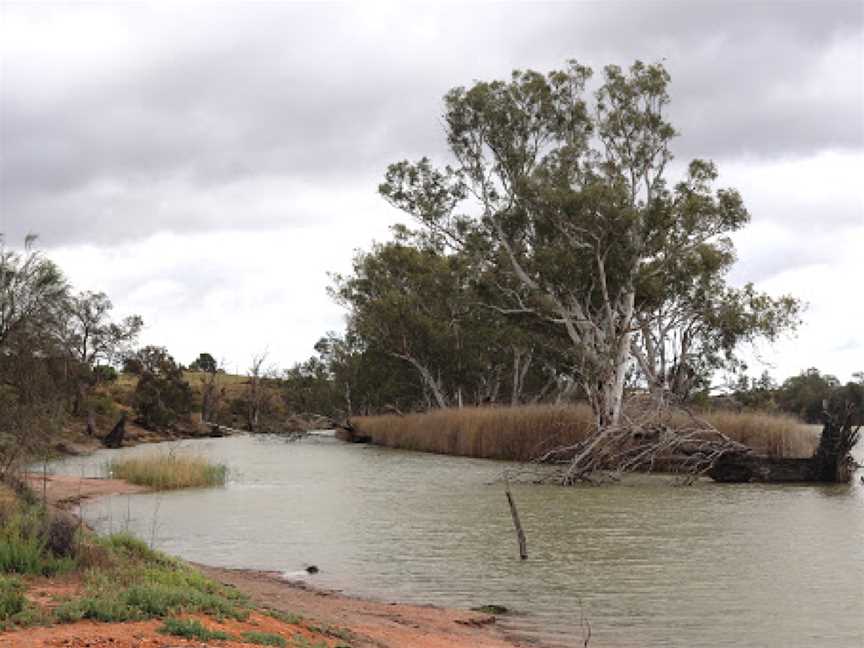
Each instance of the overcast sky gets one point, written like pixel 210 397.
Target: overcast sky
pixel 207 165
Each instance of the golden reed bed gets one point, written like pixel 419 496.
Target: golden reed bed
pixel 523 433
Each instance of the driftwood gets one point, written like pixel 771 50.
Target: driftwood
pixel 647 438
pixel 115 437
pixel 831 463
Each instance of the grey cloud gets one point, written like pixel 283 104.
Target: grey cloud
pixel 325 96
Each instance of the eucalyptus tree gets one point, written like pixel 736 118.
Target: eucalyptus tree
pixel 690 323
pixel 413 304
pixel 569 194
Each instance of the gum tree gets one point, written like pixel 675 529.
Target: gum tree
pixel 571 196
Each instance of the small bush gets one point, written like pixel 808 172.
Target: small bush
pixel 264 639
pixel 168 472
pixel 24 545
pixel 12 599
pixel 192 629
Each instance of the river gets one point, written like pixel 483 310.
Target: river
pixel 645 563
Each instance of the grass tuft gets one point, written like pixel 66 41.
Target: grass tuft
pixel 192 629
pixel 169 472
pixel 264 639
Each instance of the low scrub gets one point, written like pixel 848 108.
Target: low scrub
pixel 28 544
pixel 192 629
pixel 129 581
pixel 525 433
pixel 264 639
pixel 168 472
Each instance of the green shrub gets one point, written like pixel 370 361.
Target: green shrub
pixel 264 639
pixel 191 629
pixel 12 599
pixel 135 582
pixel 23 545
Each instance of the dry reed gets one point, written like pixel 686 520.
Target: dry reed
pixel 523 433
pixel 169 472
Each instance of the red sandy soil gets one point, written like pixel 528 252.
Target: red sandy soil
pixel 65 491
pixel 373 624
pixel 145 634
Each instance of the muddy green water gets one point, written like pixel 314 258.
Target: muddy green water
pixel 647 564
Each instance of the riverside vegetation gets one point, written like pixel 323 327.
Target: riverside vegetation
pixel 169 471
pixel 527 432
pixel 118 578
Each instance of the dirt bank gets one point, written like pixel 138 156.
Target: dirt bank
pixel 377 624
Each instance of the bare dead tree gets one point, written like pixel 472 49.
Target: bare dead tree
pixel 255 393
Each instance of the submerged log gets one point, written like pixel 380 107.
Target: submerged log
pixel 115 437
pixel 345 431
pixel 830 463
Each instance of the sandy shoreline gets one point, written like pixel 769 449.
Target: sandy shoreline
pixel 375 624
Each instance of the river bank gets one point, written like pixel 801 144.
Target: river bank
pixel 329 618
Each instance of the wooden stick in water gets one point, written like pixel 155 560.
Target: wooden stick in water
pixel 520 534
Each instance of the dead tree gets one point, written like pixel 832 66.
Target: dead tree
pixel 831 462
pixel 648 436
pixel 651 436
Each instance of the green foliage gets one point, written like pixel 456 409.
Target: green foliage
pixel 105 373
pixel 162 395
pixel 264 639
pixel 12 600
pixel 24 536
pixel 192 629
pixel 567 208
pixel 204 362
pixel 133 582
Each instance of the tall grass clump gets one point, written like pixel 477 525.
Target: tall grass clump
pixel 525 433
pixel 25 544
pixel 168 472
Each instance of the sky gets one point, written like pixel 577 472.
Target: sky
pixel 208 164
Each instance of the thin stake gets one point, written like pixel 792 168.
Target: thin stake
pixel 520 534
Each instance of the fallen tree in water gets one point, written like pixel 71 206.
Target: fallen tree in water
pixel 644 439
pixel 832 461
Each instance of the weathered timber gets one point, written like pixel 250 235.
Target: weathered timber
pixel 520 533
pixel 737 468
pixel 115 437
pixel 830 463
